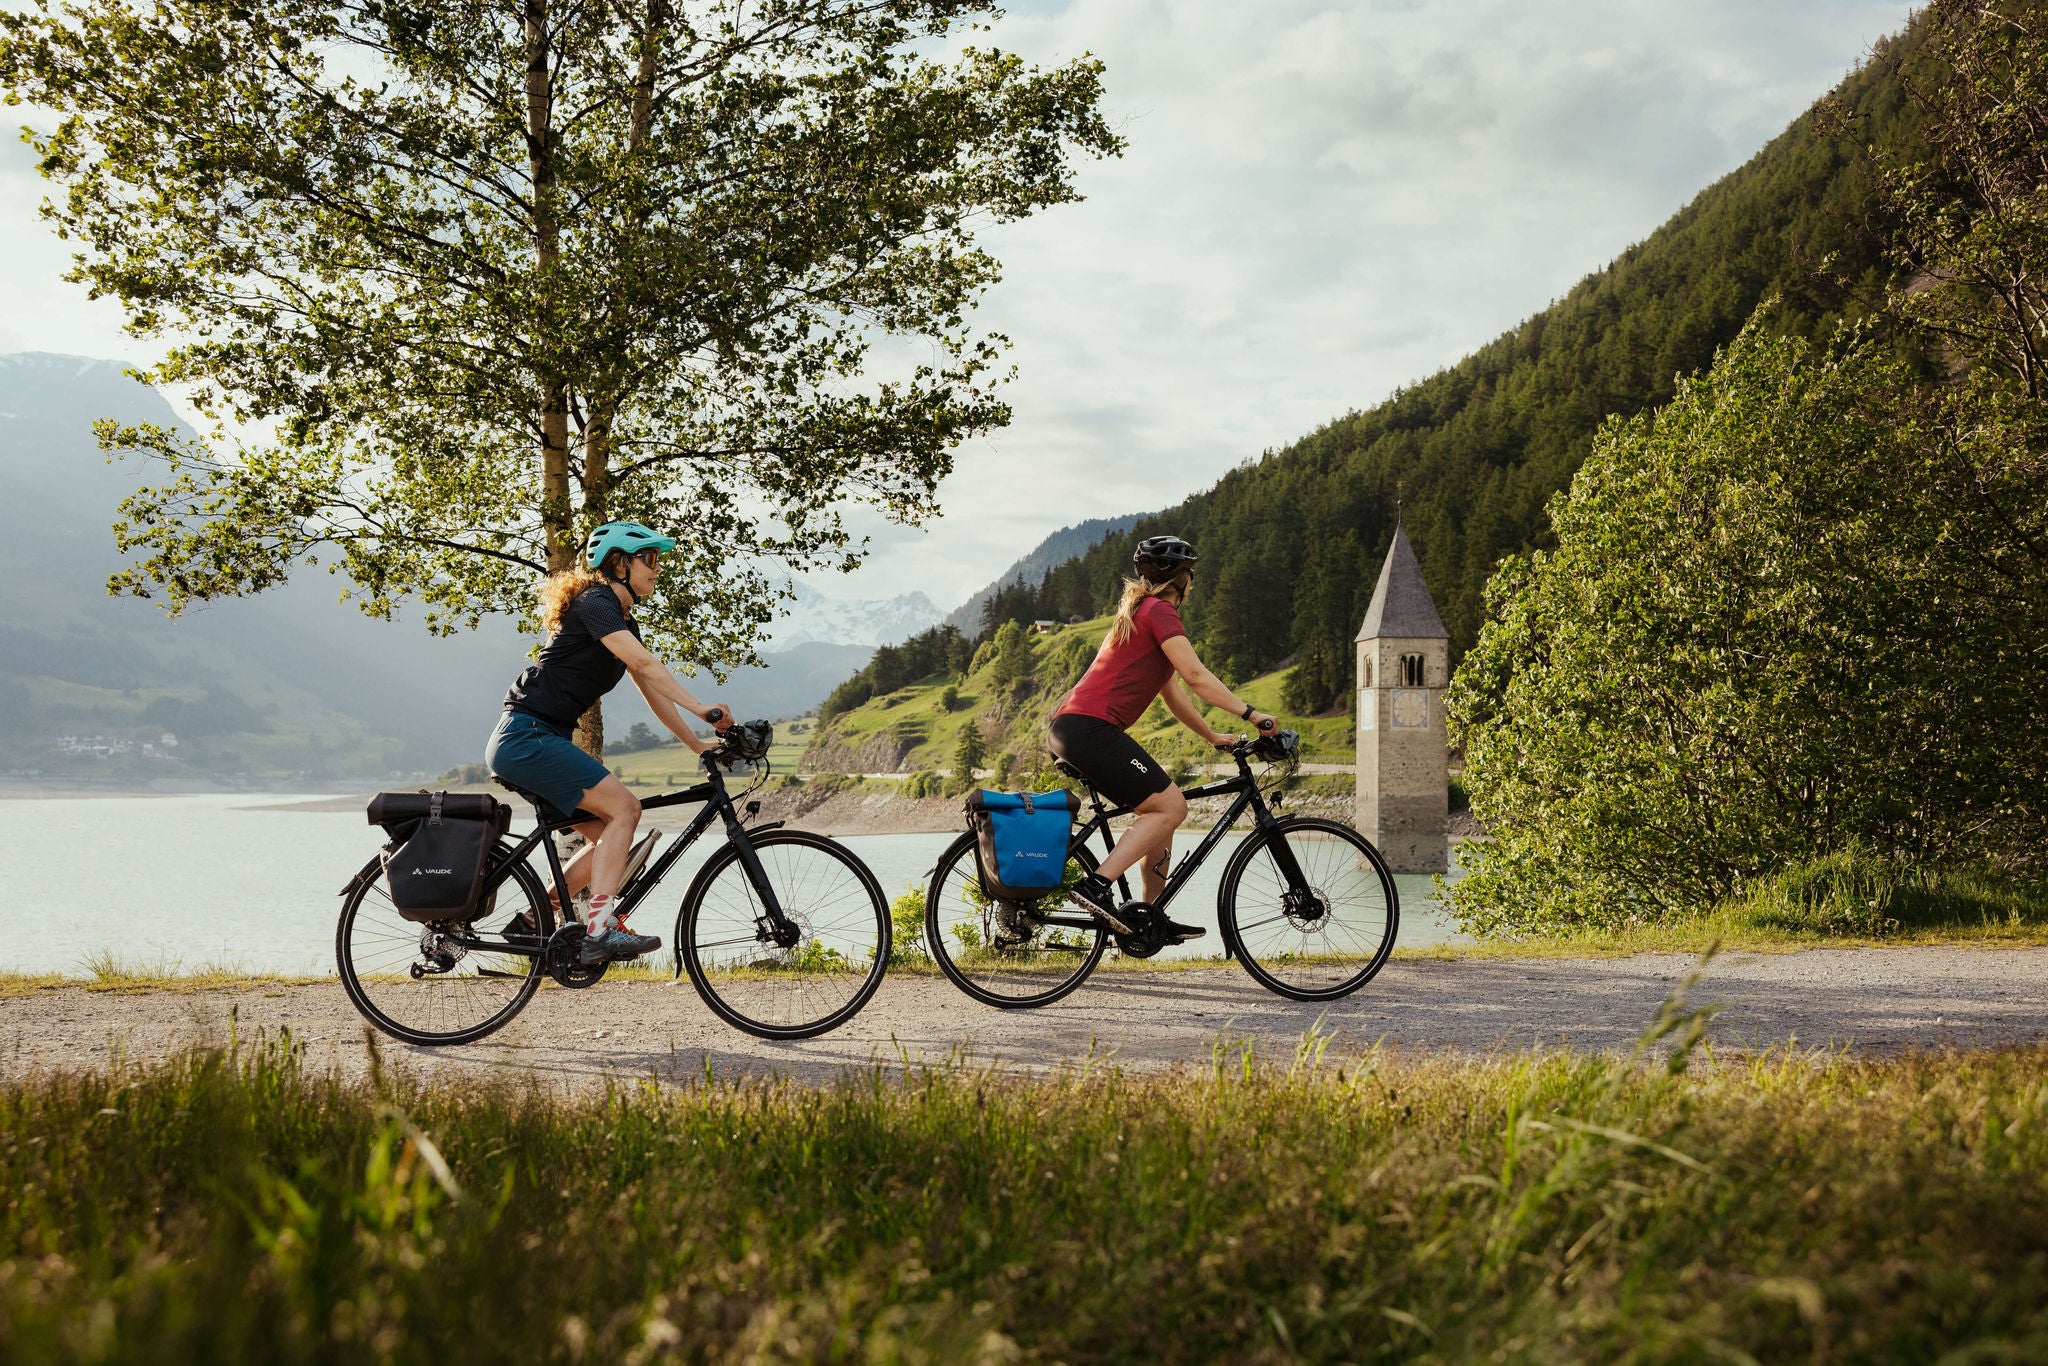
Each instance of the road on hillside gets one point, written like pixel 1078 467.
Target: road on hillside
pixel 1867 1000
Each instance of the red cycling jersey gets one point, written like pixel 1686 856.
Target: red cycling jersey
pixel 1125 678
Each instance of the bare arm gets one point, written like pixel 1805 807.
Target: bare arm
pixel 654 680
pixel 666 713
pixel 1175 695
pixel 1204 684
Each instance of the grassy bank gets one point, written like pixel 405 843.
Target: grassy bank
pixel 231 1206
pixel 1846 900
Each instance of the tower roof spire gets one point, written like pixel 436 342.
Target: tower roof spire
pixel 1401 604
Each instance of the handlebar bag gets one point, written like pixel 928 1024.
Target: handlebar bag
pixel 1021 841
pixel 440 841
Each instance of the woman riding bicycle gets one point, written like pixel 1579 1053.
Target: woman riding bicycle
pixel 1145 655
pixel 592 643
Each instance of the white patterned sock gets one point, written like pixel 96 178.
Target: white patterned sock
pixel 599 918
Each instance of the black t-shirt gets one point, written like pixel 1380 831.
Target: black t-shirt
pixel 574 668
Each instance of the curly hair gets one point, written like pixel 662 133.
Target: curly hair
pixel 558 590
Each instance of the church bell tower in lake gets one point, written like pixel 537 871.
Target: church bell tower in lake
pixel 1404 664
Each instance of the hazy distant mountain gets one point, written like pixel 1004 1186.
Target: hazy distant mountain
pixel 1061 546
pixel 869 622
pixel 290 685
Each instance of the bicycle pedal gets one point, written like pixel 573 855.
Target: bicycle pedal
pixel 1116 922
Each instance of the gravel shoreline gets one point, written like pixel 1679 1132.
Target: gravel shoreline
pixel 1861 1000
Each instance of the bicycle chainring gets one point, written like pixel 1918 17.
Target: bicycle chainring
pixel 564 962
pixel 1150 934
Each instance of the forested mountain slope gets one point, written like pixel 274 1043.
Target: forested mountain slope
pixel 1468 457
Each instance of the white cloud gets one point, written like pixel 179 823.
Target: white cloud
pixel 1321 202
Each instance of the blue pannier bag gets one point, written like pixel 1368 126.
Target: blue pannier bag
pixel 1022 841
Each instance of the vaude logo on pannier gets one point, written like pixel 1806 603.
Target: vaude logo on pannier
pixel 433 872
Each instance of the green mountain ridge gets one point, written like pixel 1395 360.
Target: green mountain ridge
pixel 1291 543
pixel 911 729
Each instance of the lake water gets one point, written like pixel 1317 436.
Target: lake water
pixel 232 881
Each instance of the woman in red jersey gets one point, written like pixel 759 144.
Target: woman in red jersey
pixel 1145 655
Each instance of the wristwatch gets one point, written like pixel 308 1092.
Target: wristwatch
pixel 1246 714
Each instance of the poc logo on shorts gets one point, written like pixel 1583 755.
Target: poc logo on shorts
pixel 1139 764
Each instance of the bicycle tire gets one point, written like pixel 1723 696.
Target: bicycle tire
pixel 1324 955
pixel 958 867
pixel 745 979
pixel 372 935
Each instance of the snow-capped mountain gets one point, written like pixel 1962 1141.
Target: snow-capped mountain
pixel 853 621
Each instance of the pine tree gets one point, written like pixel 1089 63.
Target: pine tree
pixel 969 753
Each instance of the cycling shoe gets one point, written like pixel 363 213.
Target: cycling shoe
pixel 615 945
pixel 1099 896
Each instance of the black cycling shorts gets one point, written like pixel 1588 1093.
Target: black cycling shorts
pixel 1114 764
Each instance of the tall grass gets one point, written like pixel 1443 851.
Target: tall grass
pixel 230 1205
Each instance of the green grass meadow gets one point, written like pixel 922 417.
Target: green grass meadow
pixel 233 1205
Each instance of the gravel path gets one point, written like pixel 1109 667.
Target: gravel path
pixel 1876 1000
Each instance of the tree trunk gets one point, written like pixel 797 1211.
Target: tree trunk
pixel 597 433
pixel 557 513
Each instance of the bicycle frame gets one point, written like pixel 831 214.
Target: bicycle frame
pixel 1245 786
pixel 717 802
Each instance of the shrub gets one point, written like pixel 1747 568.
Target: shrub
pixel 1780 619
pixel 906 920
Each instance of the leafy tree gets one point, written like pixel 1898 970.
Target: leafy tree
pixel 1799 611
pixel 1970 220
pixel 949 698
pixel 494 273
pixel 640 737
pixel 1010 663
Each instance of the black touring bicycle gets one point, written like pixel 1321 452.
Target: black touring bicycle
pixel 785 933
pixel 1306 905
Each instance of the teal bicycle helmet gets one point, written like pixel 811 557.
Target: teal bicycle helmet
pixel 630 537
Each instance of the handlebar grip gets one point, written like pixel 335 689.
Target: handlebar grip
pixel 1266 726
pixel 715 715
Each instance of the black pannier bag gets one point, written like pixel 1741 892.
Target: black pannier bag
pixel 1021 840
pixel 440 841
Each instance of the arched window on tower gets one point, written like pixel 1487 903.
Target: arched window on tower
pixel 1411 671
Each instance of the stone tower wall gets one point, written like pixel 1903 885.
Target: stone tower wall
pixel 1403 753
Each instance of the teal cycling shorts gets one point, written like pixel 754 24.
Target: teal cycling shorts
pixel 528 751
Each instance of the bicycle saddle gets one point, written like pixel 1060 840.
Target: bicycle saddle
pixel 540 803
pixel 1063 766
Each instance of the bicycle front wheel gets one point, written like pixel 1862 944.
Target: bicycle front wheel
pixel 442 984
pixel 727 944
pixel 1322 935
pixel 1010 954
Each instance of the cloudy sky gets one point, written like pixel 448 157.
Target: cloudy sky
pixel 1320 202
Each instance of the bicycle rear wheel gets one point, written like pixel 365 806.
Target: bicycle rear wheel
pixel 422 984
pixel 794 992
pixel 1320 941
pixel 1005 953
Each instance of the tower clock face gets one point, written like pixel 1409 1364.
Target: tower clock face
pixel 1409 709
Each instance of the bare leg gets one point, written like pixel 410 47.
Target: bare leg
pixel 618 812
pixel 1149 840
pixel 576 872
pixel 1153 871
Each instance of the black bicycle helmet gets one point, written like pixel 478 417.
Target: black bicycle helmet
pixel 1161 557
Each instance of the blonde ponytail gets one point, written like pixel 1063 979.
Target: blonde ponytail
pixel 1139 589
